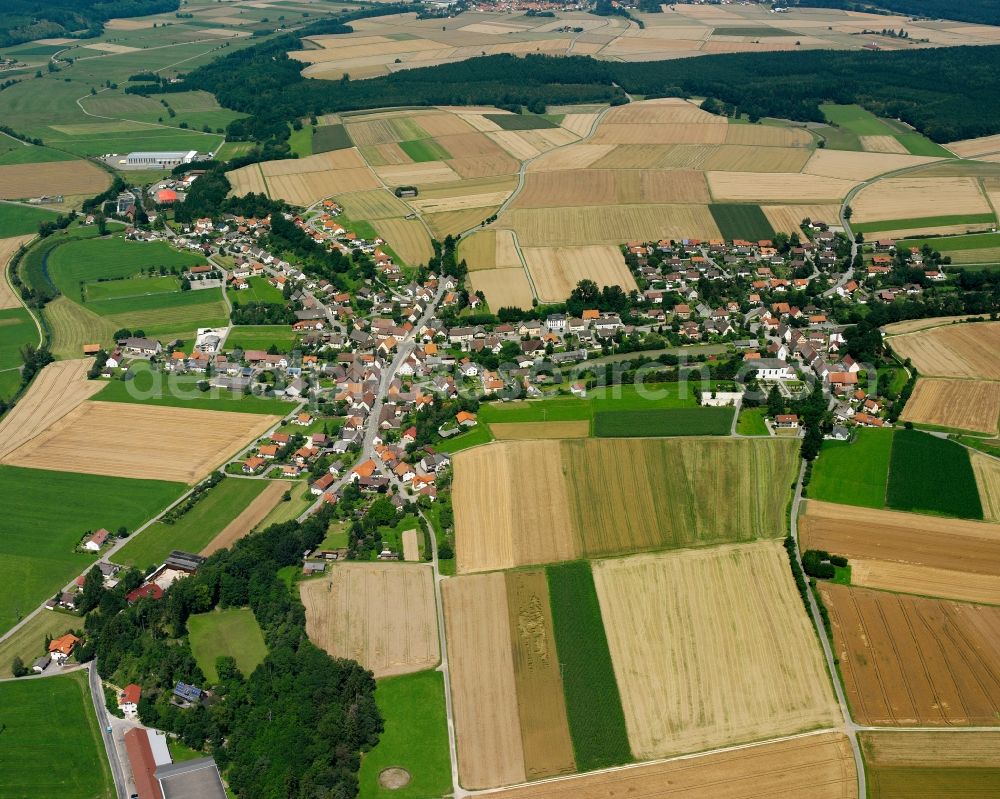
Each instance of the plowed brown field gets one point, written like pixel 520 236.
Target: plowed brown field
pixel 817 766
pixel 910 661
pixel 120 439
pixel 379 614
pixel 682 689
pixel 953 544
pixel 963 404
pixel 484 691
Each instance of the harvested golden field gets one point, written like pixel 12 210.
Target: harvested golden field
pixel 8 248
pixel 854 532
pixel 484 166
pixel 384 155
pixel 924 749
pixel 306 189
pixel 916 325
pixel 120 439
pixel 515 144
pixel 653 499
pixel 906 578
pixel 725 655
pixel 505 431
pixel 479 251
pixel 60 388
pixel 915 197
pixel 454 222
pixel 742 158
pixel 374 204
pixel 603 187
pixel 444 124
pixel 484 690
pixel 503 493
pixel 573 156
pixel 252 515
pixel 470 144
pixel 437 205
pixel 416 174
pixel 882 144
pixel 380 614
pixel 585 225
pixel 776 187
pixel 962 350
pixel 987 471
pixel 819 766
pixel 659 156
pixel 247 180
pixel 896 670
pixel 19 181
pixel 348 158
pixel 767 136
pixel 506 254
pixel 668 110
pixel 408 239
pixel 972 148
pixel 963 404
pixel 491 184
pixel 555 271
pixel 548 750
pixel 580 124
pixel 858 166
pixel 889 232
pixel 787 218
pixel 411 547
pixel 639 133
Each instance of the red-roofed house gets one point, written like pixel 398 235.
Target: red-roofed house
pixel 62 647
pixel 128 700
pixel 151 590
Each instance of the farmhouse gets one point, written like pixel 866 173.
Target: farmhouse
pixel 61 648
pixel 146 347
pixel 94 542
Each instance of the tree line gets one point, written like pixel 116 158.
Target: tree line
pixel 984 11
pixel 24 20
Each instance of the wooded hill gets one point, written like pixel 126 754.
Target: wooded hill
pixel 24 20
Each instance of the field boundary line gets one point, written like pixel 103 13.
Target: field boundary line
pixel 662 760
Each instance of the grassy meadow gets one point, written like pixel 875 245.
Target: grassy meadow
pixel 196 528
pixel 853 472
pixel 928 474
pixel 663 422
pixel 51 743
pixel 232 632
pixel 261 337
pixel 47 513
pixel 415 738
pixel 19 220
pixel 17 328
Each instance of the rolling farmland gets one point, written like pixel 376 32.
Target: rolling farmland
pixel 680 689
pixel 355 612
pixel 958 404
pixel 894 668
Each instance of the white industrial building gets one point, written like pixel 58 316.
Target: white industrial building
pixel 163 159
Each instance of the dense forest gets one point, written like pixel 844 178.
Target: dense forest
pixel 946 93
pixel 317 712
pixel 986 11
pixel 24 20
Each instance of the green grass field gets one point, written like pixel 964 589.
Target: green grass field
pixel 751 422
pixel 10 382
pixel 301 141
pixel 663 422
pixel 195 529
pixel 233 632
pixel 46 514
pixel 856 119
pixel 181 391
pixel 51 743
pixel 480 434
pixel 28 642
pixel 331 137
pixel 415 738
pixel 421 150
pixel 16 329
pixel 98 290
pixel 87 260
pixel 948 244
pixel 918 144
pixel 260 291
pixel 853 472
pixel 923 222
pixel 261 337
pixel 33 155
pixel 737 221
pixel 593 703
pixel 521 121
pixel 19 220
pixel 928 474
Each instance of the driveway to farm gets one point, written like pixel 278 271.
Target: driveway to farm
pixel 109 732
pixel 850 728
